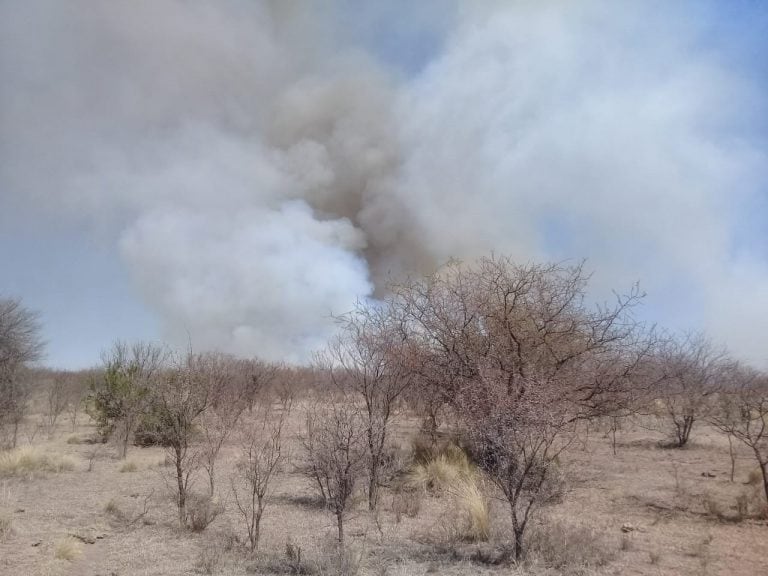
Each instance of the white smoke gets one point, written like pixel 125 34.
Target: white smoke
pixel 259 168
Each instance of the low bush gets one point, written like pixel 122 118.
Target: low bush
pixel 202 511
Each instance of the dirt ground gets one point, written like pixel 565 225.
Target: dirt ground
pixel 647 510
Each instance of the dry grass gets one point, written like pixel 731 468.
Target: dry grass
pixel 754 477
pixel 67 549
pixel 129 466
pixel 442 471
pixel 31 461
pixel 450 472
pixel 569 547
pixel 475 505
pixel 112 508
pixel 6 525
pixel 583 533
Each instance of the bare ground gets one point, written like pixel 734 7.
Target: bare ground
pixel 647 510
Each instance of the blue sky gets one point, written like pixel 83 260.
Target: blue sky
pixel 234 175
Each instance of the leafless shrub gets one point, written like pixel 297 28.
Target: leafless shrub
pixel 180 397
pixel 96 452
pixel 367 360
pixel 201 511
pixel 262 457
pixel 520 359
pixel 232 389
pixel 743 414
pixel 568 547
pixel 336 451
pixel 56 399
pixel 20 344
pixel 691 371
pixel 126 519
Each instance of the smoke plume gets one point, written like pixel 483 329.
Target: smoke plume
pixel 259 166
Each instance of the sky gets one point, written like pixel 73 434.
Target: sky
pixel 233 173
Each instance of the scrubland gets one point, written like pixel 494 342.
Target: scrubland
pixel 69 506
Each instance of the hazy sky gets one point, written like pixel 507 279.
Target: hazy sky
pixel 234 172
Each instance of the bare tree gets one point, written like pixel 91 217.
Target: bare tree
pixel 337 451
pixel 79 385
pixel 691 371
pixel 743 415
pixel 57 396
pixel 20 344
pixel 520 357
pixel 516 440
pixel 229 382
pixel 367 360
pixel 180 397
pixel 263 456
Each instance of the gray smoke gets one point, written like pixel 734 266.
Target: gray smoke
pixel 260 167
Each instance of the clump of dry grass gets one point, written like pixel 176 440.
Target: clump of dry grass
pixel 442 470
pixel 67 549
pixel 754 477
pixel 112 508
pixel 450 471
pixel 74 440
pixel 568 547
pixel 31 461
pixel 475 506
pixel 6 525
pixel 129 466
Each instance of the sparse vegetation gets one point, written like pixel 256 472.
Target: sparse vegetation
pixel 6 524
pixel 68 549
pixel 31 461
pixel 450 450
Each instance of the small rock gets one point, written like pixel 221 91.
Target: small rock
pixel 707 474
pixel 627 527
pixel 35 544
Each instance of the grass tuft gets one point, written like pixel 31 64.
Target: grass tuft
pixel 67 549
pixel 6 525
pixel 443 470
pixel 129 466
pixel 475 506
pixel 31 461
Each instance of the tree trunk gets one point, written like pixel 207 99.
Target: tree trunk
pixel 211 480
pixel 126 437
pixel 732 455
pixel 340 522
pixel 373 487
pixel 182 500
pixel 518 530
pixel 257 529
